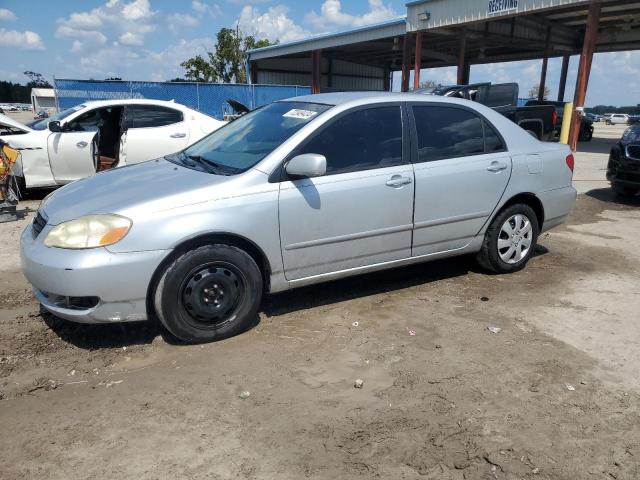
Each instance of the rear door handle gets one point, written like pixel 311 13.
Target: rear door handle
pixel 178 135
pixel 497 167
pixel 81 144
pixel 398 181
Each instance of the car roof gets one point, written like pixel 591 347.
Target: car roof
pixel 364 98
pixel 132 101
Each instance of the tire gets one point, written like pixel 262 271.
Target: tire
pixel 498 260
pixel 209 293
pixel 624 192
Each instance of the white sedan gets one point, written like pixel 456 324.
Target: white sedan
pixel 96 136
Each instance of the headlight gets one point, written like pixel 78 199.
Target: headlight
pixel 90 231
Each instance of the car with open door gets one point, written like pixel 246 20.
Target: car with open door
pixel 96 136
pixel 297 192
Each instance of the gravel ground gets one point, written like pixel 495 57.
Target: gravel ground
pixel 553 395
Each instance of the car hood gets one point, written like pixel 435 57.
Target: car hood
pixel 10 122
pixel 133 191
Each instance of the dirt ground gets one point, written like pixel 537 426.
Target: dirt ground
pixel 553 395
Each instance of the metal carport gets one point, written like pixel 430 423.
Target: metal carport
pixel 442 33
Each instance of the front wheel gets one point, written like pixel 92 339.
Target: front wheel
pixel 210 293
pixel 510 240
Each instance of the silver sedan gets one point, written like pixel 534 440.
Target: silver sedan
pixel 298 192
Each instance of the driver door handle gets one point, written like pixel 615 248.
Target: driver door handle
pixel 497 167
pixel 178 135
pixel 81 144
pixel 398 181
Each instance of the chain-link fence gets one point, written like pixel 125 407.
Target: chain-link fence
pixel 209 98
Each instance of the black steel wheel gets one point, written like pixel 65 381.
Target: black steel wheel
pixel 209 293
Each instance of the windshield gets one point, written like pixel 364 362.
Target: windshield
pixel 241 144
pixel 42 124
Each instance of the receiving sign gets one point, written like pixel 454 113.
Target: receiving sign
pixel 502 6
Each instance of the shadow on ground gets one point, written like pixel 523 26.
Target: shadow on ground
pixel 597 145
pixel 607 195
pixel 92 337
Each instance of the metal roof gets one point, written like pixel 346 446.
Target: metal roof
pixel 389 28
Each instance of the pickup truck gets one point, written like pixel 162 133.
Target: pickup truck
pixel 586 122
pixel 539 120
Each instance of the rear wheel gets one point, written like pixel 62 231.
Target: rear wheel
pixel 510 240
pixel 209 293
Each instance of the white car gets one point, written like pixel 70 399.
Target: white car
pixel 617 119
pixel 96 136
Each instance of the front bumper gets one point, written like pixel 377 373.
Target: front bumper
pixel 623 171
pixel 120 281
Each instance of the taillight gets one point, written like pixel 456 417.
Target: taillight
pixel 570 161
pixel 554 118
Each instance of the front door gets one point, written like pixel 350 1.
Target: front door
pixel 70 152
pixel 152 131
pixel 360 212
pixel 462 168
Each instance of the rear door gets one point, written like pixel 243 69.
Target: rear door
pixel 360 212
pixel 153 131
pixel 462 168
pixel 70 152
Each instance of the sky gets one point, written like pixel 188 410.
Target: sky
pixel 148 39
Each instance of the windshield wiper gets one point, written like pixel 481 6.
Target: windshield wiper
pixel 215 168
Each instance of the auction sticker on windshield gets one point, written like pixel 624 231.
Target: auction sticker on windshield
pixel 300 114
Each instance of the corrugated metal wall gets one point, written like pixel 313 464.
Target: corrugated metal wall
pixel 344 75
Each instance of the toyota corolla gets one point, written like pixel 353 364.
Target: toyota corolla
pixel 298 192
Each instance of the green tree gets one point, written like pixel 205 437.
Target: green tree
pixel 37 80
pixel 227 63
pixel 533 92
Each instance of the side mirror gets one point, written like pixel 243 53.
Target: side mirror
pixel 307 165
pixel 55 126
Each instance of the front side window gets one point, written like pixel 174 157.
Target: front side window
pixel 447 132
pixel 145 116
pixel 360 140
pixel 44 123
pixel 243 143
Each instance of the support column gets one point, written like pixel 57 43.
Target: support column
pixel 563 77
pixel 463 67
pixel 253 73
pixel 417 61
pixel 386 84
pixel 330 73
pixel 545 63
pixel 315 71
pixel 584 69
pixel 406 62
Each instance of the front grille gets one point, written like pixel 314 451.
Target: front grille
pixel 633 151
pixel 39 223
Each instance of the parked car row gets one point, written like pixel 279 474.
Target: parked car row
pixel 297 192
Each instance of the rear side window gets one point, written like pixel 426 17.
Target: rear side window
pixel 144 116
pixel 448 132
pixel 492 141
pixel 360 140
pixel 445 132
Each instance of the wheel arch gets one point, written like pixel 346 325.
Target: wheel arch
pixel 225 238
pixel 529 199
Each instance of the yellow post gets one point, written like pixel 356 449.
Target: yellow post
pixel 566 122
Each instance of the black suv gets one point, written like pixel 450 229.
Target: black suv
pixel 623 170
